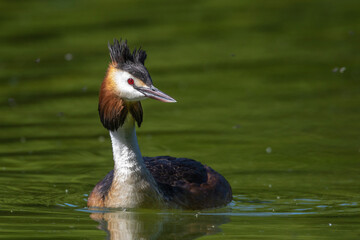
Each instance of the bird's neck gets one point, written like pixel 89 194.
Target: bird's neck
pixel 126 151
pixel 133 185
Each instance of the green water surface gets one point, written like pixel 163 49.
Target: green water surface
pixel 268 95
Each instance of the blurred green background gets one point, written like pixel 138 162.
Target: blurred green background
pixel 268 95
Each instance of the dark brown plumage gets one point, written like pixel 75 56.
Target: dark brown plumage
pixel 189 183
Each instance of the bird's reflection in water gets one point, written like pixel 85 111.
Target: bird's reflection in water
pixel 124 225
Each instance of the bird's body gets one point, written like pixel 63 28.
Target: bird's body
pixel 137 181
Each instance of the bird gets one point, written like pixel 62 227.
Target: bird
pixel 146 182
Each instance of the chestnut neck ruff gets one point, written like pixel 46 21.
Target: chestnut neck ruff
pixel 113 110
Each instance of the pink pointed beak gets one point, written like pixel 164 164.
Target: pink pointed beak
pixel 154 93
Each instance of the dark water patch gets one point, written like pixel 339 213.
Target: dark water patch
pixel 15 81
pixel 170 132
pixel 37 124
pixel 205 67
pixel 50 138
pixel 111 24
pixel 272 172
pixel 31 153
pixel 46 153
pixel 272 66
pixel 55 32
pixel 31 37
pixel 37 98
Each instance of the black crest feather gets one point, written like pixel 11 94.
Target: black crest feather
pixel 139 55
pixel 121 55
pixel 132 63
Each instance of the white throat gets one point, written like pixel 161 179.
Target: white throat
pixel 126 151
pixel 133 185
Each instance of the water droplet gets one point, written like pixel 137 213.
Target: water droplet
pixel 335 69
pixel 37 60
pixel 270 186
pixel 330 224
pixel 66 191
pixel 68 57
pixel 101 139
pixel 342 70
pixel 268 149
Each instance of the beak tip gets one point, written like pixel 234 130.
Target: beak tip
pixel 168 100
pixel 156 94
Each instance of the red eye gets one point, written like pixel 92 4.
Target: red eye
pixel 130 81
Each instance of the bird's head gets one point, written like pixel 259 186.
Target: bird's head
pixel 129 76
pixel 126 83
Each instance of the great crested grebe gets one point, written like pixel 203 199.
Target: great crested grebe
pixel 137 181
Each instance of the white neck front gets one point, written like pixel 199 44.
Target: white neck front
pixel 126 151
pixel 133 185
